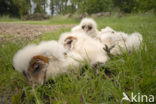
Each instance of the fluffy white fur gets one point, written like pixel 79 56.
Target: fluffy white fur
pixel 83 26
pixel 110 37
pixel 120 40
pixel 22 57
pixel 89 48
pixel 51 49
pixel 134 40
pixel 107 29
pixel 60 59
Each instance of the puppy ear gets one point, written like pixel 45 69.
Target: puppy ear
pixel 69 42
pixel 36 72
pixel 41 58
pixel 37 63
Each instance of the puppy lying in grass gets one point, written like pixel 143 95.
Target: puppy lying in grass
pixel 89 48
pixel 115 42
pixel 119 41
pixel 48 59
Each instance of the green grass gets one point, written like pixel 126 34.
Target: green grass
pixel 8 19
pixel 135 72
pixel 56 20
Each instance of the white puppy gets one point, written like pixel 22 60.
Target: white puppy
pixel 88 26
pixel 48 59
pixel 129 42
pixel 89 48
pixel 119 41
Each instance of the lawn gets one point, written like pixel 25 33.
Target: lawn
pixel 59 19
pixel 134 72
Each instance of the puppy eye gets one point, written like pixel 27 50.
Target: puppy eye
pixel 83 27
pixel 89 27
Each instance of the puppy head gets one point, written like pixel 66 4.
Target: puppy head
pixel 36 72
pixel 69 42
pixel 88 25
pixel 108 30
